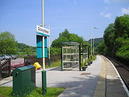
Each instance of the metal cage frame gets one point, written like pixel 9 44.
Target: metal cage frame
pixel 80 47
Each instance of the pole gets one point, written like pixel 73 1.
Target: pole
pixel 80 57
pixel 43 13
pixel 43 55
pixel 61 58
pixel 44 79
pixel 49 48
pixel 94 41
pixel 43 37
pixel 91 46
pixel 88 52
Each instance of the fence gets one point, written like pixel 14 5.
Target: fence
pixel 32 59
pixel 5 68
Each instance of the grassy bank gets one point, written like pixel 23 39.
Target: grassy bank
pixel 51 92
pixel 54 64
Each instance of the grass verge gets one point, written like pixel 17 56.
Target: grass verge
pixel 51 92
pixel 54 64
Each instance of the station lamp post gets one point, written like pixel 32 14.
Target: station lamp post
pixel 94 41
pixel 91 46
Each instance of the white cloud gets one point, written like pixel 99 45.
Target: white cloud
pixel 106 15
pixel 125 10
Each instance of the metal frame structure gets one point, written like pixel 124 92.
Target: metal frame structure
pixel 84 52
pixel 72 55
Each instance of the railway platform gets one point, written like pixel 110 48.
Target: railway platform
pixel 100 79
pixel 110 84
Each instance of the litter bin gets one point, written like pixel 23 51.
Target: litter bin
pixel 23 80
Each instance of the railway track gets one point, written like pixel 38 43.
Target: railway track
pixel 122 69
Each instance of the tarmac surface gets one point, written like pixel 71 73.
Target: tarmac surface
pixel 99 80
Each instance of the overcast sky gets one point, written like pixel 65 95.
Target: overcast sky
pixel 20 17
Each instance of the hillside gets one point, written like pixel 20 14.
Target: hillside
pixel 24 49
pixel 96 41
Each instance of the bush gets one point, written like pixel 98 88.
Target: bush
pixel 55 51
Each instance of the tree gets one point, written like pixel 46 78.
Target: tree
pixel 101 48
pixel 122 37
pixel 122 26
pixel 123 48
pixel 116 38
pixel 66 37
pixel 109 38
pixel 7 43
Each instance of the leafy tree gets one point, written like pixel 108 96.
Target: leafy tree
pixel 116 38
pixel 122 26
pixel 101 48
pixel 66 37
pixel 109 38
pixel 55 51
pixel 24 49
pixel 123 48
pixel 7 43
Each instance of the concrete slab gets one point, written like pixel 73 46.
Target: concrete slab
pixel 5 81
pixel 109 83
pixel 86 85
pixel 77 83
pixel 99 80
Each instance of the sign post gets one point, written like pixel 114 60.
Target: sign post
pixel 42 49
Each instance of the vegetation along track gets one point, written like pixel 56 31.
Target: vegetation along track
pixel 123 71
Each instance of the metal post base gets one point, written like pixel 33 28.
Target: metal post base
pixel 44 83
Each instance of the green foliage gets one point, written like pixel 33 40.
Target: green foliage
pixel 88 60
pixel 91 58
pixel 122 37
pixel 51 92
pixel 86 43
pixel 123 52
pixel 24 49
pixel 66 37
pixel 123 48
pixel 55 51
pixel 54 64
pixel 101 48
pixel 116 39
pixel 109 39
pixel 8 44
pixel 122 26
pixel 96 41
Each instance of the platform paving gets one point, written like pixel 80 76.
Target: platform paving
pixel 99 80
pixel 109 83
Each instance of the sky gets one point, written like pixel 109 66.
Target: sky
pixel 20 17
